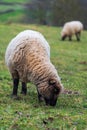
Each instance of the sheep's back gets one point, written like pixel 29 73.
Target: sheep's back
pixel 72 27
pixel 26 41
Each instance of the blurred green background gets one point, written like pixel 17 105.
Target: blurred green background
pixel 47 12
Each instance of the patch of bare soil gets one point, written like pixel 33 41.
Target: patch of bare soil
pixel 70 92
pixel 83 62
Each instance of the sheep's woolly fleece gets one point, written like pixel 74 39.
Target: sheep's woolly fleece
pixel 28 59
pixel 19 55
pixel 22 37
pixel 71 28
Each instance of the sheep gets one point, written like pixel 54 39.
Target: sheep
pixel 28 60
pixel 72 28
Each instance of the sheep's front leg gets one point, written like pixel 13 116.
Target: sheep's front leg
pixel 24 88
pixel 15 86
pixel 78 36
pixel 70 38
pixel 40 98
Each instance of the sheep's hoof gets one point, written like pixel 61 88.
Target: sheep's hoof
pixel 41 99
pixel 15 97
pixel 24 93
pixel 78 39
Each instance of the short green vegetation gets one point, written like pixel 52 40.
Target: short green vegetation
pixel 70 60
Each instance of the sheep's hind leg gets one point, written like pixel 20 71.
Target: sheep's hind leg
pixel 70 38
pixel 78 36
pixel 15 77
pixel 24 88
pixel 15 86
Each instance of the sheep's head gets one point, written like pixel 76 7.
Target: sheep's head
pixel 50 91
pixel 63 35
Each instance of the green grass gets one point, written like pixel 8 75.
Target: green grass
pixel 70 60
pixel 15 16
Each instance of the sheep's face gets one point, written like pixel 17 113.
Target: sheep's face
pixel 50 91
pixel 63 37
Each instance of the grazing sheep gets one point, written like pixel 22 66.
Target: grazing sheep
pixel 28 59
pixel 72 28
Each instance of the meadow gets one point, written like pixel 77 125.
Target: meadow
pixel 26 113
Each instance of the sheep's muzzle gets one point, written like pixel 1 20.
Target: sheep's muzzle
pixel 51 102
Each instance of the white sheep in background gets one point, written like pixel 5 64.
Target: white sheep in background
pixel 28 59
pixel 72 28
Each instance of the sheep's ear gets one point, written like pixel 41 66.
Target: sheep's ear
pixel 55 85
pixel 52 82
